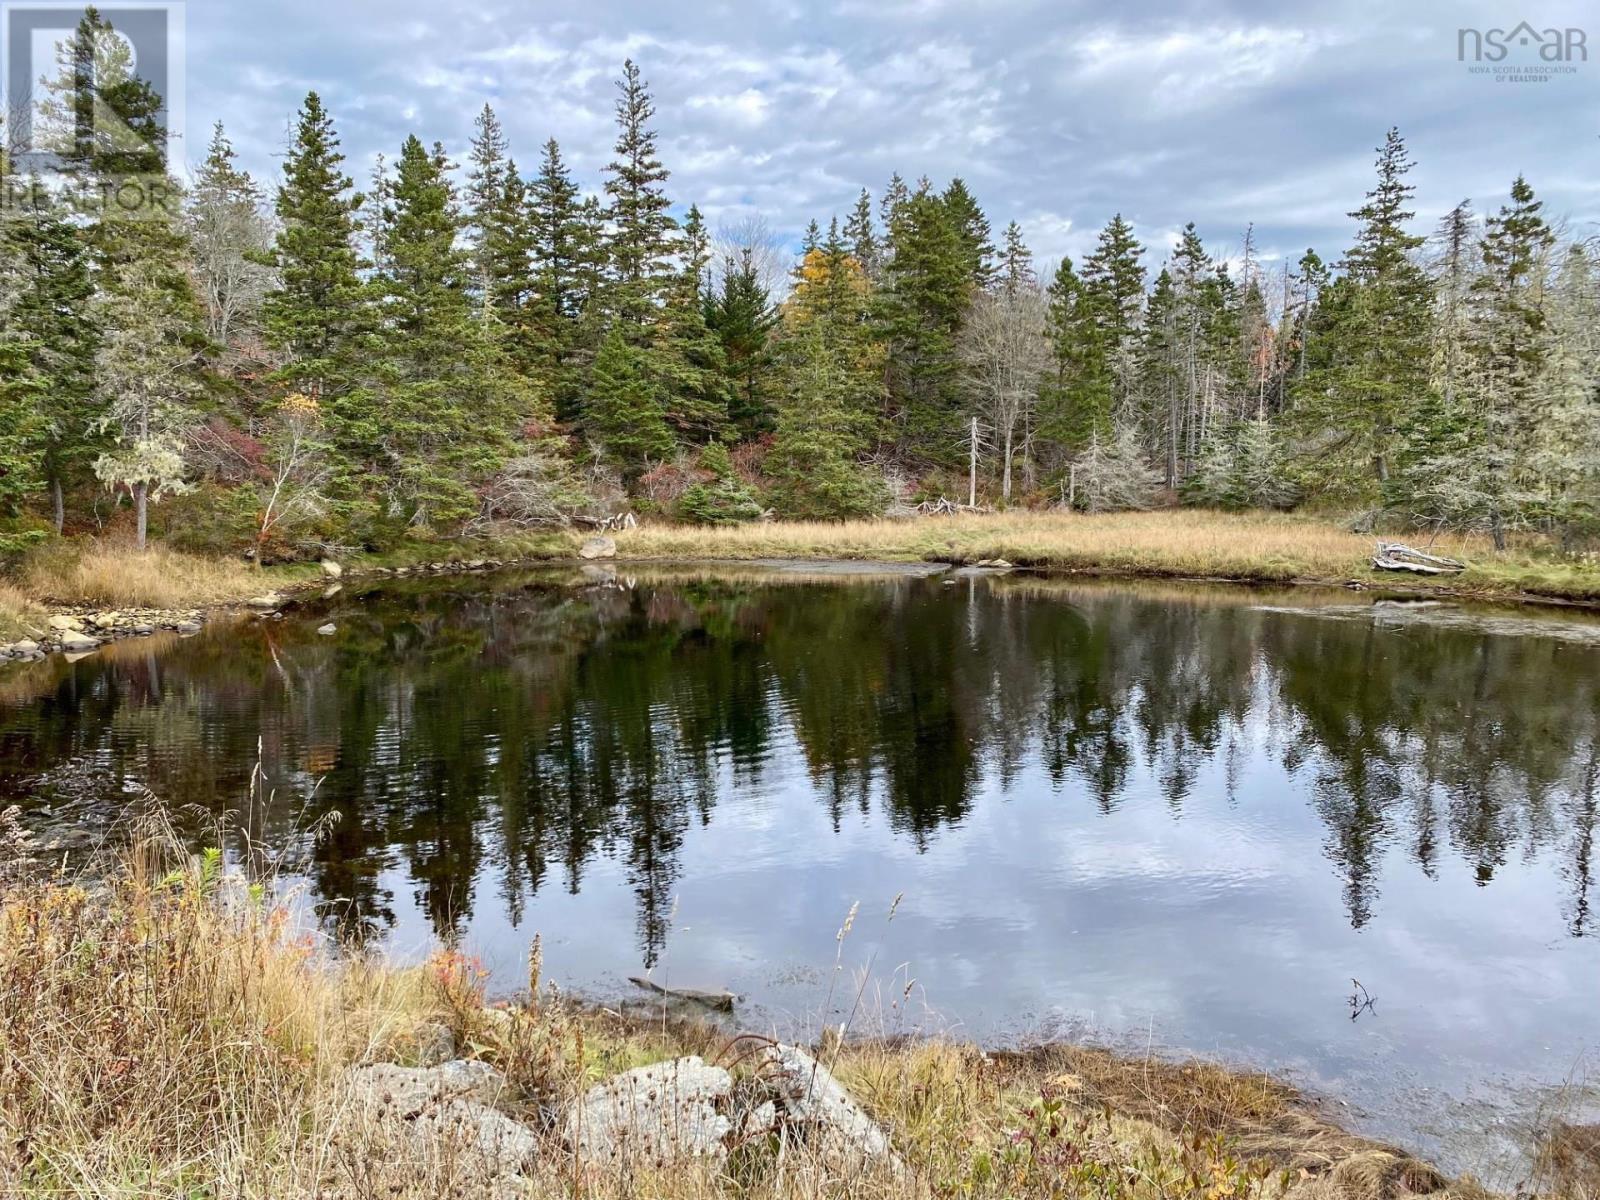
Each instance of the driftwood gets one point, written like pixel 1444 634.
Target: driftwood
pixel 721 1001
pixel 622 520
pixel 1392 556
pixel 943 507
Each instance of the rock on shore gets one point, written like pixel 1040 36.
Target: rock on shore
pixel 79 631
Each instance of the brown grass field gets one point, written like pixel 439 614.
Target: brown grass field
pixel 1183 543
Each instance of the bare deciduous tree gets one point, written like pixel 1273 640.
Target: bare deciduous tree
pixel 770 254
pixel 297 470
pixel 230 238
pixel 1003 356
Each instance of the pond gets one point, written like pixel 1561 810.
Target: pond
pixel 1178 818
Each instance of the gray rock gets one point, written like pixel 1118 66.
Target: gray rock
pixel 598 547
pixel 78 643
pixel 268 601
pixel 447 1104
pixel 656 1114
pixel 25 647
pixel 187 626
pixel 808 1096
pixel 435 1044
pixel 144 630
pixel 63 623
pixel 328 630
pixel 332 569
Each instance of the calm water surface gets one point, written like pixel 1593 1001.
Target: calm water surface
pixel 1181 818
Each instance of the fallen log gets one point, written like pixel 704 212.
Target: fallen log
pixel 1392 556
pixel 721 1001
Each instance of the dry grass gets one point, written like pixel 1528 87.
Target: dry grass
pixel 92 573
pixel 172 1033
pixel 20 617
pixel 1193 543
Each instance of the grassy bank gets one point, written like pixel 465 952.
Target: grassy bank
pixel 1177 543
pixel 1174 543
pixel 168 1034
pixel 87 574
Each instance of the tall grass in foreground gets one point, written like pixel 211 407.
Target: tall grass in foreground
pixel 173 1032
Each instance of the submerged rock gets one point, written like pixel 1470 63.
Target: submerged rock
pixel 656 1114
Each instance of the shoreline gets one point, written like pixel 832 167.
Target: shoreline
pixel 78 629
pixel 80 582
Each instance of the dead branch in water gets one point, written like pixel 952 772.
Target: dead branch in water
pixel 721 1001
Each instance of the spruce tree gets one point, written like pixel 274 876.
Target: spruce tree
pixel 624 408
pixel 1016 262
pixel 315 314
pixel 742 315
pixel 687 354
pixel 640 242
pixel 862 237
pixel 1113 284
pixel 497 227
pixel 448 406
pixel 567 262
pixel 972 228
pixel 823 427
pixel 1077 392
pixel 928 283
pixel 53 341
pixel 830 383
pixel 22 396
pixel 1376 366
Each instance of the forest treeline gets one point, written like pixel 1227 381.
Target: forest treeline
pixel 457 348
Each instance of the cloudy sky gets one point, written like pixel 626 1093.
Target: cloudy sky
pixel 1056 113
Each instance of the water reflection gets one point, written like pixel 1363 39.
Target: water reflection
pixel 473 739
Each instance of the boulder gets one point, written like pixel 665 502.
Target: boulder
pixel 24 647
pixel 811 1101
pixel 78 643
pixel 447 1105
pixel 598 547
pixel 328 630
pixel 332 569
pixel 105 620
pixel 656 1114
pixel 267 601
pixel 187 626
pixel 63 623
